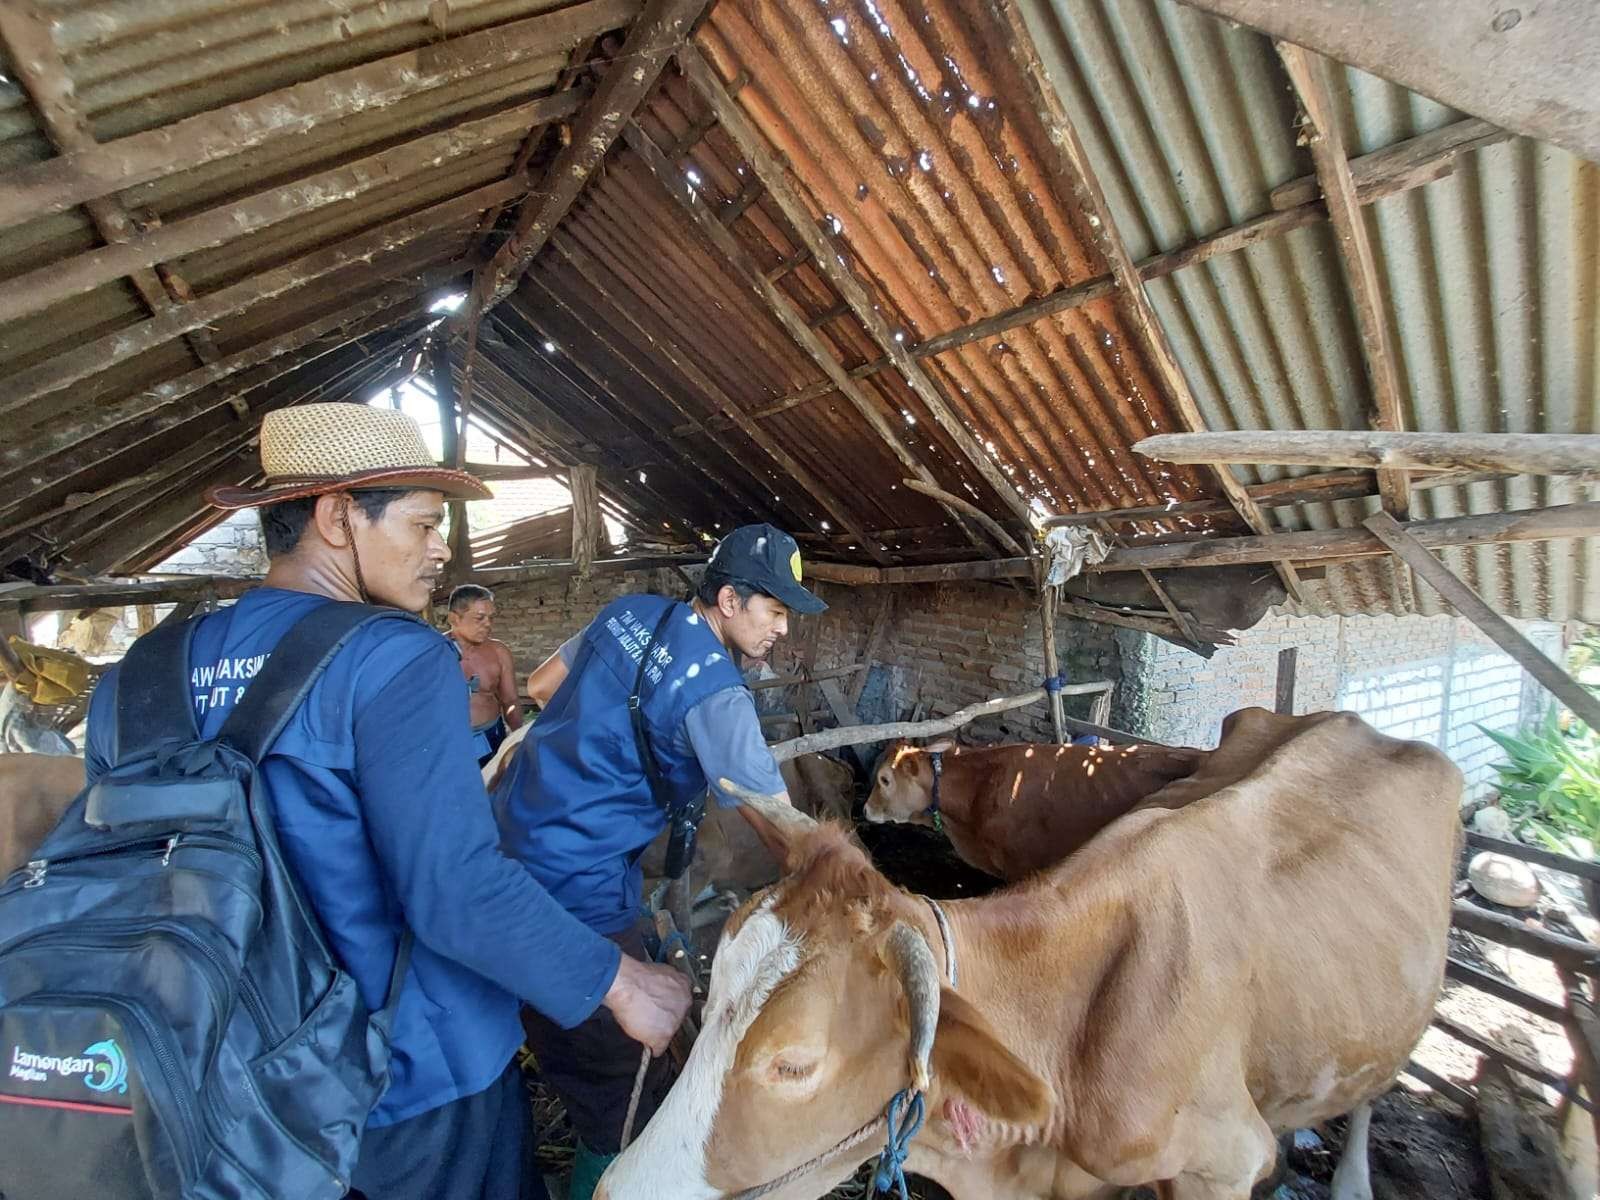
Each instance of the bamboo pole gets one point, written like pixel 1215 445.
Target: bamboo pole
pixel 1052 664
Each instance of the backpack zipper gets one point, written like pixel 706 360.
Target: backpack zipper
pixel 36 870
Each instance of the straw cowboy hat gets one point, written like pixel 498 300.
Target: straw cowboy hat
pixel 312 449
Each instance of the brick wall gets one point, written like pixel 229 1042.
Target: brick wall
pixel 950 645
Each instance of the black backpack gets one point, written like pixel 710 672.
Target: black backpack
pixel 172 1024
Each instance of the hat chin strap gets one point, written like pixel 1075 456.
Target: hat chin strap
pixel 355 557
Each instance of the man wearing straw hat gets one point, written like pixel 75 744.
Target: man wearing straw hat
pixel 380 809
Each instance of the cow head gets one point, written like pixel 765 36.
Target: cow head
pixel 902 783
pixel 825 1000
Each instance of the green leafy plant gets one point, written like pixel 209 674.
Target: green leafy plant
pixel 1550 782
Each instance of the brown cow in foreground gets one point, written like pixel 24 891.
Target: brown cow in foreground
pixel 1015 809
pixel 1152 1010
pixel 35 789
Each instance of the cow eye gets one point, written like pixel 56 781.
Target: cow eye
pixel 785 1069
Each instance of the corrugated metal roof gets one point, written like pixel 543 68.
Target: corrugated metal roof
pixel 1491 276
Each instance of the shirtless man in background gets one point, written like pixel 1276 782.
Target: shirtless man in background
pixel 486 663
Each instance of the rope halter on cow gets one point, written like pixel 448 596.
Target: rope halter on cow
pixel 912 958
pixel 936 761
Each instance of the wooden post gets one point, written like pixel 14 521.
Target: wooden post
pixel 875 635
pixel 1470 605
pixel 452 442
pixel 1283 701
pixel 585 517
pixel 1052 664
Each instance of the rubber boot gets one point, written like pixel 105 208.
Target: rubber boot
pixel 587 1167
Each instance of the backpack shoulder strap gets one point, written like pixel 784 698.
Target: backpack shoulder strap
pixel 296 663
pixel 153 696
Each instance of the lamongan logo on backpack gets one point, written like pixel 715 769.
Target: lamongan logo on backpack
pixel 103 1066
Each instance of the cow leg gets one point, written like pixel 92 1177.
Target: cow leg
pixel 1351 1178
pixel 1239 1149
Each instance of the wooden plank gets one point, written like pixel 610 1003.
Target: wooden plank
pixel 652 38
pixel 1510 1058
pixel 1453 1092
pixel 993 528
pixel 1583 868
pixel 876 633
pixel 1469 604
pixel 781 307
pixel 1529 69
pixel 37 290
pixel 1537 1005
pixel 564 568
pixel 1407 164
pixel 1283 690
pixel 1518 453
pixel 1117 736
pixel 783 681
pixel 1566 952
pixel 1308 73
pixel 88 359
pixel 1532 524
pixel 765 166
pixel 53 185
pixel 34 598
pixel 47 82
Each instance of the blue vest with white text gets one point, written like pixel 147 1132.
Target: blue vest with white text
pixel 575 808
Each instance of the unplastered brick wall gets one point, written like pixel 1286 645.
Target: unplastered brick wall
pixel 951 645
pixel 1434 679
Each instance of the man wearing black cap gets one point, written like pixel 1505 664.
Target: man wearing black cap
pixel 602 773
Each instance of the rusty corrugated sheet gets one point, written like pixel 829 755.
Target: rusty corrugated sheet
pixel 1491 276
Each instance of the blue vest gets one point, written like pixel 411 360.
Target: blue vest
pixel 575 808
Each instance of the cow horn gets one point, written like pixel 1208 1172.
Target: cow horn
pixel 919 975
pixel 773 807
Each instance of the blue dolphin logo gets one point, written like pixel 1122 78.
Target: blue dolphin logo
pixel 110 1075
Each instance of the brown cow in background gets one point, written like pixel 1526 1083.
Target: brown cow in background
pixel 1015 809
pixel 35 789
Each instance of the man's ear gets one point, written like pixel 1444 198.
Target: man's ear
pixel 327 519
pixel 969 1059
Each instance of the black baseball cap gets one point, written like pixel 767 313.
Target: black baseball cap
pixel 767 559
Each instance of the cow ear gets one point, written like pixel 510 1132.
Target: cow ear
pixel 968 1058
pixel 942 746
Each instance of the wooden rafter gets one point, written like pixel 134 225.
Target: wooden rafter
pixel 1387 172
pixel 1519 453
pixel 651 41
pixel 780 306
pixel 183 399
pixel 684 459
pixel 44 77
pixel 1076 173
pixel 659 339
pixel 370 247
pixel 37 290
pixel 60 183
pixel 1309 74
pixel 764 166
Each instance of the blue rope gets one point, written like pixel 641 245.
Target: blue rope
pixel 906 1107
pixel 1054 683
pixel 673 939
